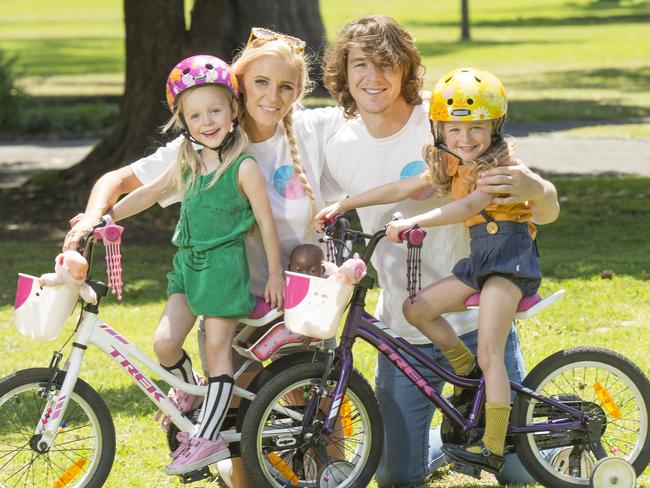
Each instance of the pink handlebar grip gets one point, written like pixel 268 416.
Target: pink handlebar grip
pixel 414 236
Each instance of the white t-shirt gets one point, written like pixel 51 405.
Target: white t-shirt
pixel 290 205
pixel 357 162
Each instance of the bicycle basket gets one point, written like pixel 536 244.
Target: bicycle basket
pixel 42 311
pixel 313 306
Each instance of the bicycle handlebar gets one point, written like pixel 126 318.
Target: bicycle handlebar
pixel 111 235
pixel 337 230
pixel 413 236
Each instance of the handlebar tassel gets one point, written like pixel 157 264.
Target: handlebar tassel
pixel 330 250
pixel 413 271
pixel 114 268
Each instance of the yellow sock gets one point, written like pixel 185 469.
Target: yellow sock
pixel 462 361
pixel 496 426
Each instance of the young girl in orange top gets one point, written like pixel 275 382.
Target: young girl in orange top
pixel 468 109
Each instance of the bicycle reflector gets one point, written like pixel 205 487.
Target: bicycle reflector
pixel 608 402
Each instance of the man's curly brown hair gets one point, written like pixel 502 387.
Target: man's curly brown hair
pixel 379 37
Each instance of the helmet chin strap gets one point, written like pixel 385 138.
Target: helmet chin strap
pixel 226 143
pixel 443 147
pixel 496 137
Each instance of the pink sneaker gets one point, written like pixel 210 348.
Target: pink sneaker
pixel 183 439
pixel 183 401
pixel 196 454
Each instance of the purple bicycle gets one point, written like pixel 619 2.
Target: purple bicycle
pixel 579 419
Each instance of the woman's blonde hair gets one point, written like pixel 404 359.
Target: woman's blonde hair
pixel 279 48
pixel 501 149
pixel 380 37
pixel 188 162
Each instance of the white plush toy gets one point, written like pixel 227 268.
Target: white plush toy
pixel 350 272
pixel 70 269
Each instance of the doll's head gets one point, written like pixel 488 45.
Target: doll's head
pixel 307 259
pixel 73 264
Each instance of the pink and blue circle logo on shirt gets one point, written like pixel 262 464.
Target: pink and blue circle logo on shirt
pixel 415 168
pixel 286 183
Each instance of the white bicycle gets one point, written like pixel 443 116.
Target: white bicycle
pixel 55 429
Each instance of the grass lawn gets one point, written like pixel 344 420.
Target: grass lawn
pixel 585 59
pixel 603 226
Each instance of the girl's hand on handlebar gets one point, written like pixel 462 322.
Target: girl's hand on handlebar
pixel 80 226
pixel 395 227
pixel 274 291
pixel 327 214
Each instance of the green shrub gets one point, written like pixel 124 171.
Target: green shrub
pixel 88 119
pixel 11 98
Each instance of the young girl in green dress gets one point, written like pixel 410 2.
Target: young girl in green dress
pixel 223 196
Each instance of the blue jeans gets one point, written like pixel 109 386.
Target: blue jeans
pixel 411 450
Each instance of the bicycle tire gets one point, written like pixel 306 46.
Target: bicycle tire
pixel 604 383
pixel 357 451
pixel 86 433
pixel 269 371
pixel 258 381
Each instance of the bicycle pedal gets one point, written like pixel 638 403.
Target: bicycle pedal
pixel 466 469
pixel 196 475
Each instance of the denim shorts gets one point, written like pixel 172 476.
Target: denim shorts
pixel 510 253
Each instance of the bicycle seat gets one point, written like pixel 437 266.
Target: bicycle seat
pixel 262 314
pixel 528 306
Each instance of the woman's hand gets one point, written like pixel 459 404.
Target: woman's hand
pixel 328 213
pixel 396 227
pixel 274 291
pixel 80 226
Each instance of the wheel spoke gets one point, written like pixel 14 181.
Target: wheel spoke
pixel 85 432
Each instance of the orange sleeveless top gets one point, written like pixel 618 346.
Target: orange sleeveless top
pixel 462 185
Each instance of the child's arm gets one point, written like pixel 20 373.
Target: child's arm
pixel 253 186
pixel 144 197
pixel 395 191
pixel 518 183
pixel 450 213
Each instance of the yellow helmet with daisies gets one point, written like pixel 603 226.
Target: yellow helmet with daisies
pixel 466 94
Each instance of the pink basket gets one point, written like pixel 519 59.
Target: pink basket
pixel 313 306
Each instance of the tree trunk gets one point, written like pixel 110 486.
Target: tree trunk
pixel 464 20
pixel 156 38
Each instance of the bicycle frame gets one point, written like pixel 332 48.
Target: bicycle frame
pixel 92 331
pixel 360 324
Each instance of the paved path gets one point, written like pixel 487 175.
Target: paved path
pixel 19 160
pixel 545 151
pixel 562 155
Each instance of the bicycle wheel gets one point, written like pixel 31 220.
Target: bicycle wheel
pixel 594 380
pixel 279 450
pixel 82 452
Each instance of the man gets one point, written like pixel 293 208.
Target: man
pixel 374 71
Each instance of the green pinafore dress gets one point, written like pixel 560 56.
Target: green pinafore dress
pixel 210 266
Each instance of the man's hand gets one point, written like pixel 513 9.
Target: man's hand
pixel 511 184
